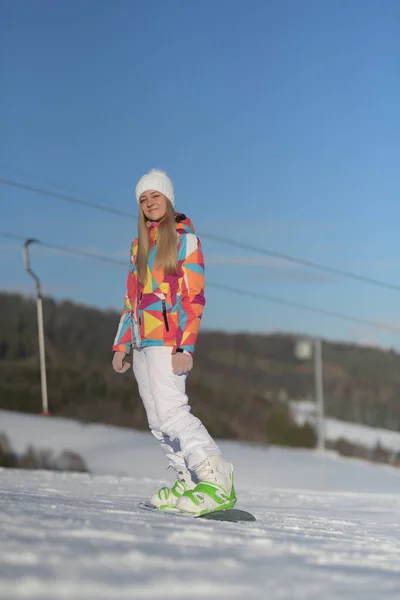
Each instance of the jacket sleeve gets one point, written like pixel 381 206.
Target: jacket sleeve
pixel 123 338
pixel 191 287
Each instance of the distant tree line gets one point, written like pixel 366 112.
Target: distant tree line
pixel 239 386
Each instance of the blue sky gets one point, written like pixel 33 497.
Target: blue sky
pixel 277 121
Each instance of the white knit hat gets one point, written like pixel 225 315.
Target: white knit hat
pixel 156 180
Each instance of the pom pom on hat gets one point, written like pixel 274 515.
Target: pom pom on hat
pixel 156 180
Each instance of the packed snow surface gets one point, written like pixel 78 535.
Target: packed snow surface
pixel 326 527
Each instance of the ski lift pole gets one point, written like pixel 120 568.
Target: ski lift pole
pixel 305 350
pixel 42 356
pixel 319 393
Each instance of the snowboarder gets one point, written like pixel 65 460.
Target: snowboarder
pixel 159 325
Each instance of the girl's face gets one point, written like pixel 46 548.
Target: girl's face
pixel 154 205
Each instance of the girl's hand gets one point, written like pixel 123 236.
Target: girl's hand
pixel 181 363
pixel 119 362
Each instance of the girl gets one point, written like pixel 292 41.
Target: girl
pixel 159 323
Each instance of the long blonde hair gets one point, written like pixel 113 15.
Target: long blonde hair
pixel 166 247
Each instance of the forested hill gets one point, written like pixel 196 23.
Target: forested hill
pixel 238 380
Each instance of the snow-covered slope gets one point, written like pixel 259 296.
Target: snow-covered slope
pixel 326 527
pixel 358 434
pixel 113 450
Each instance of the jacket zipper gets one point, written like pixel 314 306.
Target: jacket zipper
pixel 137 322
pixel 164 312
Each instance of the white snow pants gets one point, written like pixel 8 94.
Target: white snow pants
pixel 184 439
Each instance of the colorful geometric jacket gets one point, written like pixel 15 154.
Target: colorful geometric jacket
pixel 168 310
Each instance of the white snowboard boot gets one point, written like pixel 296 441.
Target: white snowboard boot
pixel 215 490
pixel 166 498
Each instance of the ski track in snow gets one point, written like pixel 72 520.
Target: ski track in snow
pixel 80 536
